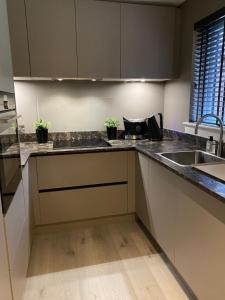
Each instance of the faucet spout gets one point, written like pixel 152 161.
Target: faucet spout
pixel 220 142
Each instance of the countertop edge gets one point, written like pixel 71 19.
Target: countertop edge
pixel 152 155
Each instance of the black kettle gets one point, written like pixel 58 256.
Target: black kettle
pixel 155 130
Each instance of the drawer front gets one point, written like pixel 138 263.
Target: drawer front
pixel 81 169
pixel 86 203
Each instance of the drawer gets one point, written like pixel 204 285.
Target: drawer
pixel 81 169
pixel 86 203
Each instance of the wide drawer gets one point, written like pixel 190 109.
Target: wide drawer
pixel 86 203
pixel 81 169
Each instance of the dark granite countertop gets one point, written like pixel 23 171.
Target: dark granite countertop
pixel 151 149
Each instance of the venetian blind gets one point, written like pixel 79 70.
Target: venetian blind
pixel 208 92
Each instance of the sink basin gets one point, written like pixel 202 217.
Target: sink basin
pixel 188 158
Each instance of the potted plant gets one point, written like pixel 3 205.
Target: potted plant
pixel 111 126
pixel 41 127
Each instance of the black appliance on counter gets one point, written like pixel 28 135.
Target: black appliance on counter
pixel 135 129
pixel 10 163
pixel 155 127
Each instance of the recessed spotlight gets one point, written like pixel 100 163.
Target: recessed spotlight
pixel 93 80
pixel 59 79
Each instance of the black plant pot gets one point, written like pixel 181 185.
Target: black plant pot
pixel 42 135
pixel 112 133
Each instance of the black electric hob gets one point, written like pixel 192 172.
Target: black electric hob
pixel 80 143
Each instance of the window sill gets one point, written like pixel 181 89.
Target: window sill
pixel 202 126
pixel 203 130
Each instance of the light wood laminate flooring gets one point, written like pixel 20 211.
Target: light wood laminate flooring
pixel 111 261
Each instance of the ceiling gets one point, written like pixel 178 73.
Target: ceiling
pixel 166 2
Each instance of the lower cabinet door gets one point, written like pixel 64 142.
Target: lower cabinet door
pixel 200 242
pixel 142 182
pixel 162 206
pixel 5 287
pixel 18 268
pixel 84 203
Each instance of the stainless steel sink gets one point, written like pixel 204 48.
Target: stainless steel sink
pixel 188 158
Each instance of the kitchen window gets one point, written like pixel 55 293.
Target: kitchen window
pixel 208 86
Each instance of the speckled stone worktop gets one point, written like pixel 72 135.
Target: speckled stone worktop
pixel 151 149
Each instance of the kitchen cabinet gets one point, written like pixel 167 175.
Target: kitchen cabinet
pixel 6 74
pixel 93 39
pixel 70 170
pixel 142 178
pixel 16 228
pixel 5 286
pixel 156 202
pixel 18 38
pixel 162 206
pixel 52 38
pixel 147 41
pixel 28 204
pixel 92 185
pixel 81 204
pixel 200 244
pixel 187 223
pixel 98 39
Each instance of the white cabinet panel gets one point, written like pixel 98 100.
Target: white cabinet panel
pixel 5 287
pixel 16 227
pixel 15 221
pixel 28 204
pixel 200 243
pixel 142 178
pixel 162 206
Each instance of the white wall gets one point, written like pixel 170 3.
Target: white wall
pixel 81 106
pixel 177 92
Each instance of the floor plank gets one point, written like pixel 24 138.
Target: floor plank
pixel 113 261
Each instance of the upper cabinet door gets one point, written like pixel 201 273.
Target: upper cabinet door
pixel 18 37
pixel 98 39
pixel 52 38
pixel 148 34
pixel 6 74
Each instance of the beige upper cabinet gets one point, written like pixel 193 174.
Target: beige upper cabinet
pixel 98 39
pixel 52 38
pixel 18 38
pixel 6 74
pixel 148 41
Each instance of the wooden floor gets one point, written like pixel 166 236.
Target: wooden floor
pixel 112 261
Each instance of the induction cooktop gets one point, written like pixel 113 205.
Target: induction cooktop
pixel 80 143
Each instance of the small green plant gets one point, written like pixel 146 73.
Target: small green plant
pixel 41 124
pixel 112 123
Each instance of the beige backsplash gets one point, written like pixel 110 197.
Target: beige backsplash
pixel 84 106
